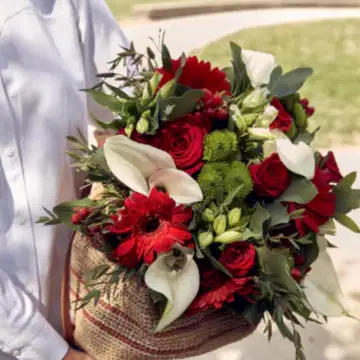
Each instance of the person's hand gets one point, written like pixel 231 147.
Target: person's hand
pixel 76 355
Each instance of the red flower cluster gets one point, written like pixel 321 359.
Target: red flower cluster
pixel 297 274
pixel 217 288
pixel 183 138
pixel 318 211
pixel 283 120
pixel 149 225
pixel 79 215
pixel 308 109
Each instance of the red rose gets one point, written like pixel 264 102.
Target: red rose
pixel 330 167
pixel 217 288
pixel 318 211
pixel 283 120
pixel 270 177
pixel 197 75
pixel 183 140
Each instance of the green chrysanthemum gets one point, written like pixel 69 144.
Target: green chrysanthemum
pixel 211 178
pixel 238 174
pixel 220 145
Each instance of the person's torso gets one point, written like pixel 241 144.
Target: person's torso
pixel 41 72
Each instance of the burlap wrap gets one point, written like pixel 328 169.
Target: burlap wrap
pixel 121 326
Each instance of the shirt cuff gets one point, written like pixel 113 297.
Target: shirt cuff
pixel 39 341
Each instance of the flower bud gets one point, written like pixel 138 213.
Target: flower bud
pixel 208 215
pixel 142 125
pixel 228 237
pixel 205 239
pixel 167 90
pixel 219 224
pixel 267 117
pixel 255 99
pixel 129 130
pixel 234 217
pixel 300 116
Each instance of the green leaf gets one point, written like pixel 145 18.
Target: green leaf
pixel 278 214
pixel 242 81
pixel 300 191
pixel 229 71
pixel 304 240
pixel 42 219
pixel 96 273
pixel 166 58
pixel 117 91
pixel 275 77
pixel 278 263
pixel 98 158
pixel 65 210
pixel 230 198
pixel 258 219
pixel 176 107
pixel 291 82
pixel 108 101
pixel 347 199
pixel 347 222
pixel 216 264
pixel 306 137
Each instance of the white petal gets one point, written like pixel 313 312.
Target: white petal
pixel 132 163
pixel 179 287
pixel 269 115
pixel 180 186
pixel 298 158
pixel 321 285
pixel 262 133
pixel 259 66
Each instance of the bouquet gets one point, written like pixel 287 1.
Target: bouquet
pixel 209 196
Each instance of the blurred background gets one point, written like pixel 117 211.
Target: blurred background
pixel 323 34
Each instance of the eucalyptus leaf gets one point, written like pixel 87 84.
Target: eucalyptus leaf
pixel 300 191
pixel 117 91
pixel 166 58
pixel 176 107
pixel 275 77
pixel 291 82
pixel 306 137
pixel 278 214
pixel 229 71
pixel 347 199
pixel 258 219
pixel 110 102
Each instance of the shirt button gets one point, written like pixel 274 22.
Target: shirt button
pixel 29 291
pixel 11 154
pixel 16 353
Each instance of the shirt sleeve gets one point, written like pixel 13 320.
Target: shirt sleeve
pixel 101 38
pixel 24 332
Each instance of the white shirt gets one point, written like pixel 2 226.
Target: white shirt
pixel 49 49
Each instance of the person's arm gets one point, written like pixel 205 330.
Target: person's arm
pixel 101 38
pixel 24 332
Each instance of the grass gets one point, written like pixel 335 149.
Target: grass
pixel 122 8
pixel 332 49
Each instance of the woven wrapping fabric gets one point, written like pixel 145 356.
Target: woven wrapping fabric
pixel 120 326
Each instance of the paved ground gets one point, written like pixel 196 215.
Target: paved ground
pixel 338 340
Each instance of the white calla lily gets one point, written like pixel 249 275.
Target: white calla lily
pixel 141 167
pixel 321 285
pixel 298 158
pixel 178 279
pixel 259 66
pixel 267 117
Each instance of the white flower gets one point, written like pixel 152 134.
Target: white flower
pixel 255 99
pixel 298 158
pixel 178 279
pixel 259 66
pixel 142 167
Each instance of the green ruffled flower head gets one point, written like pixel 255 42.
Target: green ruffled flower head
pixel 238 174
pixel 220 145
pixel 211 178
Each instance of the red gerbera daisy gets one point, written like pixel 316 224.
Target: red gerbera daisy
pixel 197 75
pixel 150 225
